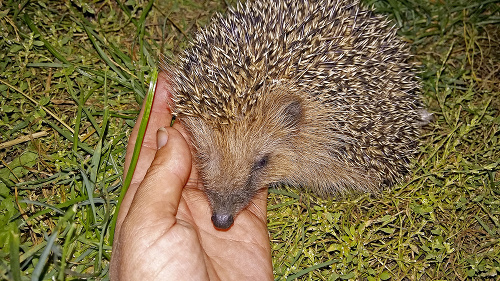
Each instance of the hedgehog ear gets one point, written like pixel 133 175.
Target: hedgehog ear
pixel 292 112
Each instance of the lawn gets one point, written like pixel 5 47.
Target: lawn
pixel 74 73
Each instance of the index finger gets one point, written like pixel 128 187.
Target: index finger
pixel 157 197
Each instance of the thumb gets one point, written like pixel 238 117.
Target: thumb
pixel 158 196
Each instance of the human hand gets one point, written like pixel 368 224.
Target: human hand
pixel 164 229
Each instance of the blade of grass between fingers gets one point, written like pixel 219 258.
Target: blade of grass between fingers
pixel 137 148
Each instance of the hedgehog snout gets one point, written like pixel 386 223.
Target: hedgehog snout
pixel 226 205
pixel 223 208
pixel 222 220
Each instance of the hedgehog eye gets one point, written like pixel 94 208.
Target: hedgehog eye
pixel 260 163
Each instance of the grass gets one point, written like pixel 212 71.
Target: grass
pixel 72 76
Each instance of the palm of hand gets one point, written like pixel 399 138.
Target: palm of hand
pixel 157 240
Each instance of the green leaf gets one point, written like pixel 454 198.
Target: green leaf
pixel 38 43
pixel 15 48
pixel 334 247
pixel 387 230
pixel 347 276
pixel 4 13
pixel 15 267
pixel 385 275
pixel 471 272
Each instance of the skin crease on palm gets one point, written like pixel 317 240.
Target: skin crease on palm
pixel 164 229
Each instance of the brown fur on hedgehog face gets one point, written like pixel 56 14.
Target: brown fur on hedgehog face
pixel 278 141
pixel 238 159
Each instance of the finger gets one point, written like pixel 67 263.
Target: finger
pixel 258 208
pixel 158 196
pixel 160 116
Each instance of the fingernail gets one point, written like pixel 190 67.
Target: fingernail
pixel 161 137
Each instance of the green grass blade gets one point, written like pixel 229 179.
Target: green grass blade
pixel 69 137
pixel 142 30
pixel 137 148
pixel 309 269
pixel 37 272
pixel 67 241
pixel 15 267
pixel 47 206
pixel 103 55
pixel 51 48
pixel 89 188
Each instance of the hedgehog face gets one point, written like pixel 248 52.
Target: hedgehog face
pixel 239 159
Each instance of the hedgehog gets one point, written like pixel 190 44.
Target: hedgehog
pixel 317 94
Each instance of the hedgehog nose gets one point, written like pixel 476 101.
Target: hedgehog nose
pixel 222 221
